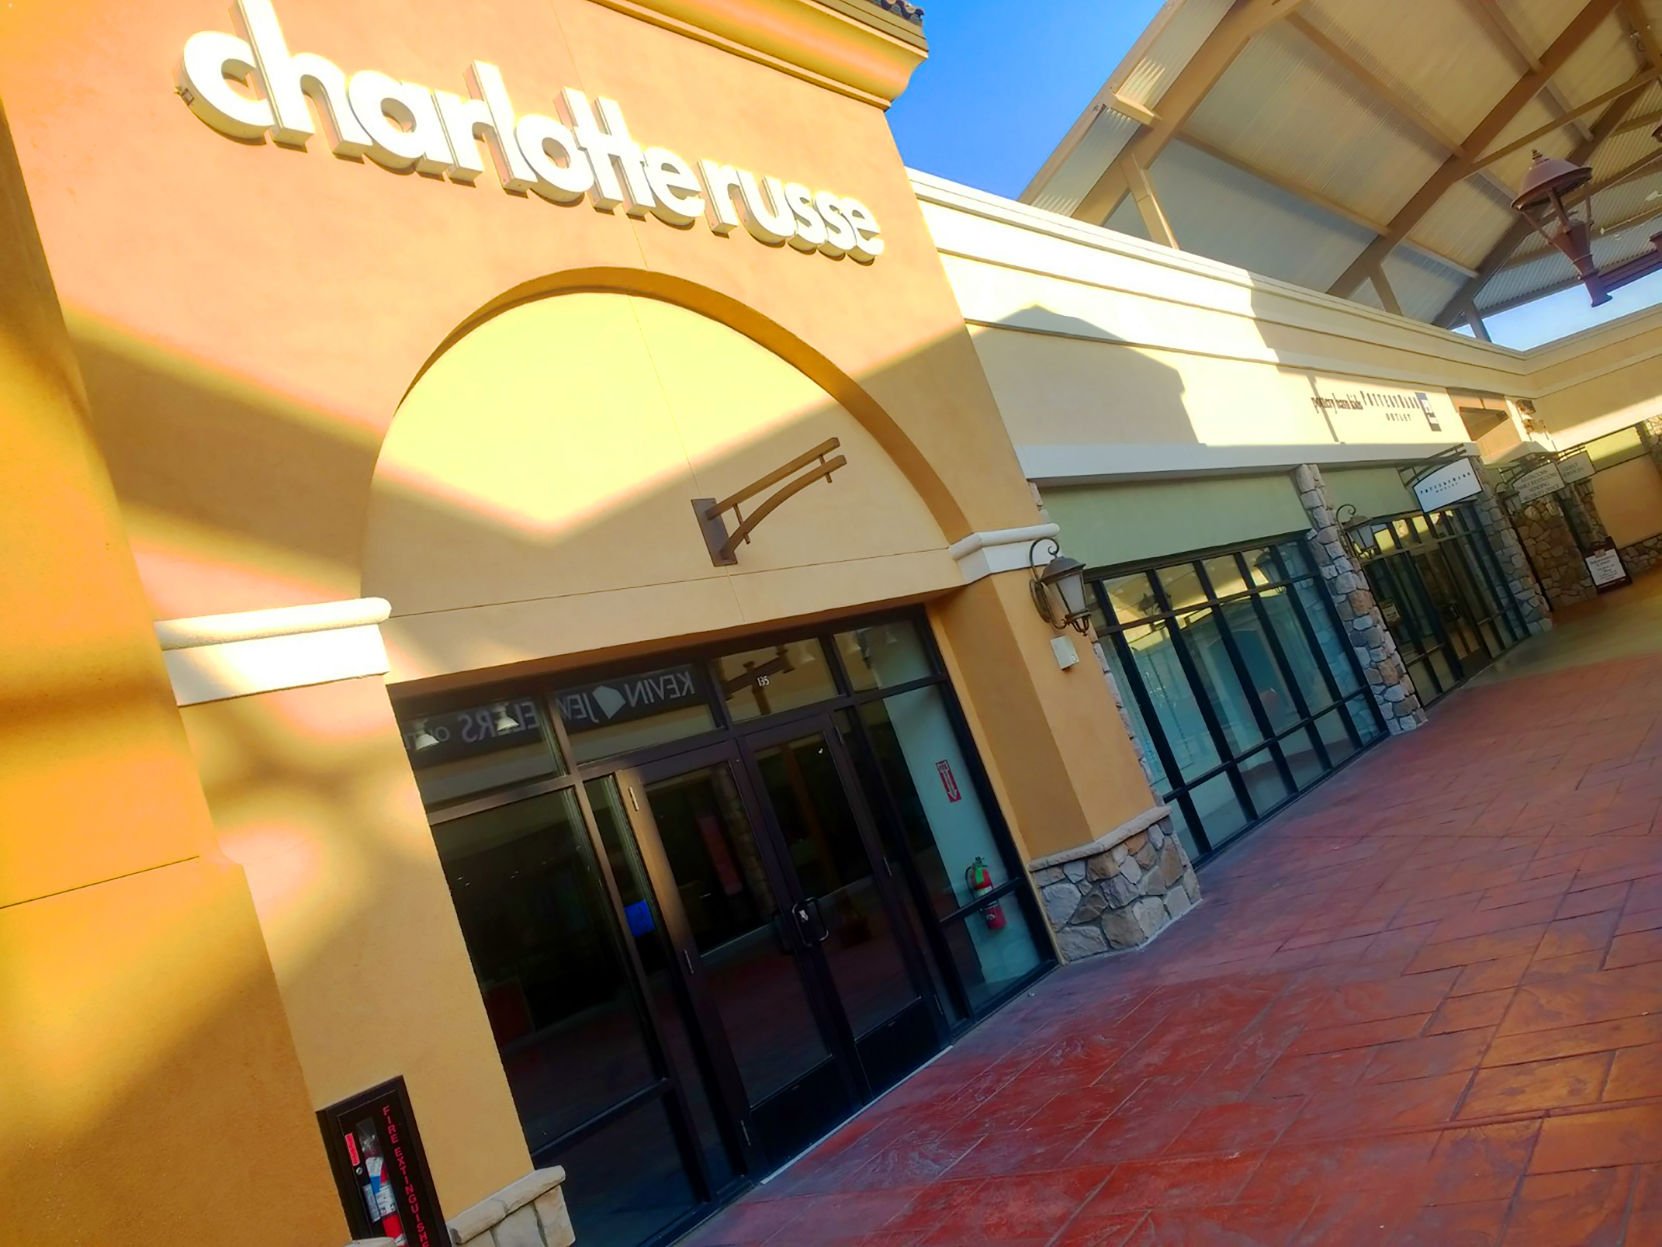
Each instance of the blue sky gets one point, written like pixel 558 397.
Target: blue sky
pixel 1003 82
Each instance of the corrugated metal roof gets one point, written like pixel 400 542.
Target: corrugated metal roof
pixel 1330 121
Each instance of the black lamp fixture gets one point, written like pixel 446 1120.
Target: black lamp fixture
pixel 1544 201
pixel 1059 588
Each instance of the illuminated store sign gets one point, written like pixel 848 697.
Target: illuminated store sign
pixel 587 153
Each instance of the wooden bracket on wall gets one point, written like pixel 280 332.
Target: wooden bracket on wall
pixel 722 544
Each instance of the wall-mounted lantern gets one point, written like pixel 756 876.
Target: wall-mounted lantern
pixel 1568 226
pixel 1059 588
pixel 1356 532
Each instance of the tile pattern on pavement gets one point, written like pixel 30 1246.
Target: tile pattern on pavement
pixel 1424 1005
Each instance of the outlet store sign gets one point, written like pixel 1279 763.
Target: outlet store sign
pixel 587 153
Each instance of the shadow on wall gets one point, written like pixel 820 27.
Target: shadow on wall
pixel 1040 361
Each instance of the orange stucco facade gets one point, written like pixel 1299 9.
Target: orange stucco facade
pixel 275 344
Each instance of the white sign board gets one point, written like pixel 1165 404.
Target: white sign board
pixel 1576 467
pixel 1450 483
pixel 1538 483
pixel 1605 567
pixel 252 88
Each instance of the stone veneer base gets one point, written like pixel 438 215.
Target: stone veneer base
pixel 528 1213
pixel 1119 891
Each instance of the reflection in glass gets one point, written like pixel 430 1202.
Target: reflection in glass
pixel 1218 810
pixel 1158 780
pixel 1131 597
pixel 781 677
pixel 1268 683
pixel 737 928
pixel 1331 727
pixel 1182 585
pixel 1336 655
pixel 1302 759
pixel 646 928
pixel 849 920
pixel 1218 682
pixel 1295 647
pixel 1169 693
pixel 884 655
pixel 1225 576
pixel 1263 782
pixel 625 1182
pixel 987 978
pixel 545 946
pixel 633 711
pixel 456 753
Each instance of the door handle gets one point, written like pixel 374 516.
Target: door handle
pixel 819 919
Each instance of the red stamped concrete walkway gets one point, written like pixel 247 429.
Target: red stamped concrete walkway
pixel 1422 1006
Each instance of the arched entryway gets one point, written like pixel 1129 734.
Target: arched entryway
pixel 723 853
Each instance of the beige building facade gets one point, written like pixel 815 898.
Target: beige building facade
pixel 564 509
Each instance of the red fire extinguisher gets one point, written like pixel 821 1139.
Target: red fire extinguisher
pixel 980 880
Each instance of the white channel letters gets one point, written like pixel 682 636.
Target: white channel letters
pixel 586 153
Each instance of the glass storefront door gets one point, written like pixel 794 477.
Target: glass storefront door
pixel 718 901
pixel 1440 589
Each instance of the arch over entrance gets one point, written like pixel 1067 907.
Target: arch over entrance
pixel 532 496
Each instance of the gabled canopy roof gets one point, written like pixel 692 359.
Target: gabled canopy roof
pixel 1371 148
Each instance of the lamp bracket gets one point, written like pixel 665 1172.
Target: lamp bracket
pixel 722 544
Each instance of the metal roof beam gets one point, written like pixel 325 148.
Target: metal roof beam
pixel 1300 191
pixel 1387 296
pixel 1237 28
pixel 1381 90
pixel 1607 123
pixel 1456 168
pixel 1510 39
pixel 1643 78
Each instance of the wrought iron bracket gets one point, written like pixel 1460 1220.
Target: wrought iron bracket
pixel 723 545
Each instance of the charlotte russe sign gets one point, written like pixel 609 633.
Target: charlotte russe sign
pixel 247 88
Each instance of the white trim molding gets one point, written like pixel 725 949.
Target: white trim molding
pixel 1087 463
pixel 997 550
pixel 217 657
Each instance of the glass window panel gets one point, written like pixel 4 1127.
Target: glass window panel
pixel 1001 924
pixel 1362 716
pixel 1444 669
pixel 884 655
pixel 1296 558
pixel 1268 683
pixel 1182 585
pixel 1263 781
pixel 1180 824
pixel 456 753
pixel 633 711
pixel 1384 538
pixel 1425 687
pixel 646 928
pixel 1302 759
pixel 1172 698
pixel 1225 576
pixel 1220 814
pixel 625 1182
pixel 1218 683
pixel 1295 646
pixel 1331 726
pixel 546 949
pixel 947 830
pixel 1261 567
pixel 1158 779
pixel 1334 651
pixel 1131 597
pixel 781 677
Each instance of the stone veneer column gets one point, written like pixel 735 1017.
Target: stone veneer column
pixel 1514 563
pixel 1119 891
pixel 1374 646
pixel 1542 530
